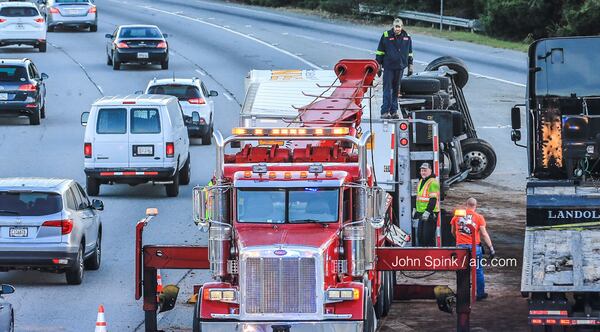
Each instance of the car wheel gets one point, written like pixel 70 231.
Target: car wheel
pixel 35 118
pixel 43 112
pixel 75 273
pixel 93 28
pixel 42 47
pixel 173 188
pixel 164 65
pixel 185 173
pixel 50 28
pixel 115 63
pixel 207 139
pixel 12 322
pixel 92 186
pixel 480 156
pixel 93 262
pixel 108 60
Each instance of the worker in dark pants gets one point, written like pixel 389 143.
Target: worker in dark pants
pixel 394 53
pixel 427 206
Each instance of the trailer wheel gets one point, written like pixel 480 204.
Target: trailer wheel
pixel 369 322
pixel 419 86
pixel 462 74
pixel 480 156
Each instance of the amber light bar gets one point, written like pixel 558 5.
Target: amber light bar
pixel 334 131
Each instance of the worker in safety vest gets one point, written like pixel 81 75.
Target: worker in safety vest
pixel 427 206
pixel 394 53
pixel 460 228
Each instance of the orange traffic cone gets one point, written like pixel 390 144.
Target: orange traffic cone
pixel 159 287
pixel 100 321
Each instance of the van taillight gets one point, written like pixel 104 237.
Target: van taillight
pixel 66 225
pixel 170 149
pixel 87 150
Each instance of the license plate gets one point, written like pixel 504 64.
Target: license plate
pixel 143 55
pixel 3 96
pixel 20 26
pixel 17 232
pixel 144 150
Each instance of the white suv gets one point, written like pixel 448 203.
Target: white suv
pixel 22 24
pixel 136 139
pixel 195 100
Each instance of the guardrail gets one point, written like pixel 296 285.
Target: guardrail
pixel 473 25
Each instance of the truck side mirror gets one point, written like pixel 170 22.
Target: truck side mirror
pixel 515 117
pixel 200 209
pixel 213 93
pixel 376 207
pixel 84 118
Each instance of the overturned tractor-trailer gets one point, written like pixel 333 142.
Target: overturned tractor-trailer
pixel 300 236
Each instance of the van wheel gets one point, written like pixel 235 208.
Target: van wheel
pixel 92 186
pixel 185 173
pixel 207 139
pixel 93 262
pixel 75 273
pixel 93 28
pixel 173 188
pixel 35 118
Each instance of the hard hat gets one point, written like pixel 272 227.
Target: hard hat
pixel 398 21
pixel 425 165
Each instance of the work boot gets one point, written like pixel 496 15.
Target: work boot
pixel 482 296
pixel 394 115
pixel 386 115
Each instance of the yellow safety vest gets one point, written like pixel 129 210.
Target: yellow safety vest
pixel 431 189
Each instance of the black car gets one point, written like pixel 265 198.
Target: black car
pixel 144 44
pixel 22 90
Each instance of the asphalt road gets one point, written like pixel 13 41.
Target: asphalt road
pixel 219 43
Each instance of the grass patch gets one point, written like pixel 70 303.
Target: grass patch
pixel 470 37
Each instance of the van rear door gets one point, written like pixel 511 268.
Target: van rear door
pixel 146 143
pixel 110 146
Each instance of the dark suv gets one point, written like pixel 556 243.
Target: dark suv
pixel 22 90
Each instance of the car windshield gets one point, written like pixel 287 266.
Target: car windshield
pixel 140 32
pixel 182 92
pixel 13 74
pixel 18 12
pixel 72 1
pixel 293 205
pixel 29 203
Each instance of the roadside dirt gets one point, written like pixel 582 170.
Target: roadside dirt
pixel 505 309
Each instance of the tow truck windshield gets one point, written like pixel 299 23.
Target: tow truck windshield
pixel 290 205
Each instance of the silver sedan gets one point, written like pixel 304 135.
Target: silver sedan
pixel 70 13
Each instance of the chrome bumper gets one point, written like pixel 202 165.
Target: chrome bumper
pixel 320 326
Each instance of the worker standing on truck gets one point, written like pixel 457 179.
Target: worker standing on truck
pixel 462 232
pixel 394 53
pixel 427 206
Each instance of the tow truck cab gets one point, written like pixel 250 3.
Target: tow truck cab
pixel 561 272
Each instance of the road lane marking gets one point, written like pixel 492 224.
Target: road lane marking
pixel 314 66
pixel 200 72
pixel 227 96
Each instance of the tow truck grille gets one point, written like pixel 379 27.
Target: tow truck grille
pixel 280 285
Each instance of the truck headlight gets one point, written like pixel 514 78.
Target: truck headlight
pixel 342 294
pixel 221 294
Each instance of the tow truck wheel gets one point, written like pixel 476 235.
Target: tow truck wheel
pixel 462 74
pixel 380 303
pixel 388 293
pixel 480 156
pixel 369 323
pixel 196 323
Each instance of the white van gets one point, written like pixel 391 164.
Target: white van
pixel 136 139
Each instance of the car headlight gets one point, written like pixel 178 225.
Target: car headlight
pixel 342 294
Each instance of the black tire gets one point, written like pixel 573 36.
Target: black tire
pixel 173 188
pixel 480 156
pixel 196 323
pixel 164 65
pixel 43 112
pixel 419 86
pixel 108 60
pixel 369 322
pixel 444 80
pixel 185 173
pixel 36 117
pixel 42 47
pixel 462 73
pixel 93 28
pixel 92 186
pixel 389 293
pixel 93 262
pixel 440 100
pixel 115 63
pixel 207 139
pixel 380 303
pixel 75 274
pixel 50 29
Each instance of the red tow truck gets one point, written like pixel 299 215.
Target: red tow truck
pixel 300 236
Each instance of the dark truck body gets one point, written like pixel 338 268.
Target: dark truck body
pixel 561 254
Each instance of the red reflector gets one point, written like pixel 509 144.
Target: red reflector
pixel 565 322
pixel 404 142
pixel 128 102
pixel 92 10
pixel 128 173
pixel 31 105
pixel 2 20
pixel 39 20
pixel 550 321
pixel 150 173
pixel 170 149
pixel 197 101
pixel 87 150
pixel 65 224
pixel 536 321
pixel 161 44
pixel 106 173
pixel 54 10
pixel 27 87
pixel 403 126
pixel 122 45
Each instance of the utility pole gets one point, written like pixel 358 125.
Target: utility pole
pixel 441 14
